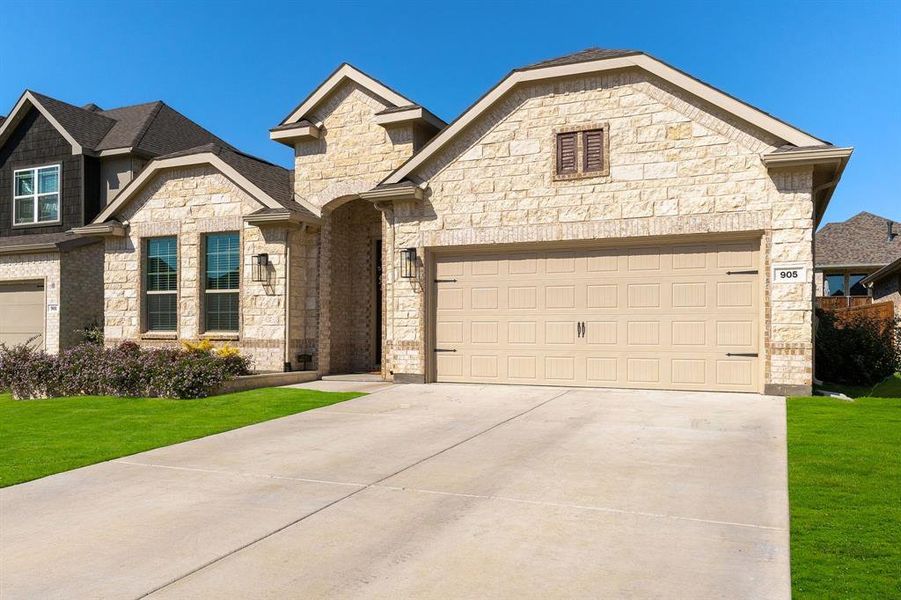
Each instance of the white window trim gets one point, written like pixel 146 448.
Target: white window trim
pixel 36 196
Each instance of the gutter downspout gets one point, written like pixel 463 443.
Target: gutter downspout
pixel 287 366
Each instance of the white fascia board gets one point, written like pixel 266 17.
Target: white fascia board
pixel 16 115
pixel 346 71
pixel 295 133
pixel 205 158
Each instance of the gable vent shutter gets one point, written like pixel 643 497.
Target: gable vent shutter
pixel 593 144
pixel 566 153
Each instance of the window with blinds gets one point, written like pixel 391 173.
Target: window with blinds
pixel 582 153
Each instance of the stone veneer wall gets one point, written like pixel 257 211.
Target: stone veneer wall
pixel 352 155
pixel 46 267
pixel 81 300
pixel 677 166
pixel 188 203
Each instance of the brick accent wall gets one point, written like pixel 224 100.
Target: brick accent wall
pixel 81 299
pixel 677 167
pixel 889 290
pixel 188 203
pixel 354 227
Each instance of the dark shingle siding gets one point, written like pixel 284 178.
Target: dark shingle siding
pixel 861 240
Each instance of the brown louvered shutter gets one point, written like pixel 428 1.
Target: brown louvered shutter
pixel 593 150
pixel 566 153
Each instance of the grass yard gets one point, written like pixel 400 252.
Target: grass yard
pixel 844 462
pixel 42 437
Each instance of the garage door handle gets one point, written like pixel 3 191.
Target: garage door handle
pixel 445 281
pixel 445 350
pixel 752 272
pixel 749 354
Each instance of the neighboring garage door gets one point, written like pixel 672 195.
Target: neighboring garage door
pixel 22 313
pixel 669 317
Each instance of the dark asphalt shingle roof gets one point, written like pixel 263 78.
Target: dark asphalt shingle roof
pixel 585 55
pixel 153 128
pixel 86 127
pixel 861 240
pixel 274 180
pixel 34 238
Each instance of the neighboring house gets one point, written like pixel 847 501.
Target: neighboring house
pixel 885 285
pixel 60 165
pixel 600 219
pixel 848 252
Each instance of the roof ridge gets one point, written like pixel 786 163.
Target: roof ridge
pixel 82 109
pixel 146 127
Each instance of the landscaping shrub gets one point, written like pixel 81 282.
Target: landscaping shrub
pixel 856 351
pixel 126 370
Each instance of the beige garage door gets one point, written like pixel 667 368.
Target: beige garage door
pixel 22 313
pixel 669 317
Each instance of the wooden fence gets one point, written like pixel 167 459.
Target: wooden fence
pixel 837 302
pixel 880 311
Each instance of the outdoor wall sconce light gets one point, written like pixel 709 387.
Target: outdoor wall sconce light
pixel 261 267
pixel 408 263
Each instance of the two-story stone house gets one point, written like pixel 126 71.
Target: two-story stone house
pixel 60 165
pixel 600 219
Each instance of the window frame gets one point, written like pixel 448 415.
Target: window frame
pixel 205 291
pixel 580 131
pixel 850 285
pixel 37 195
pixel 146 291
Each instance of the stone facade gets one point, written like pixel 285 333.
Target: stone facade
pixel 188 203
pixel 352 155
pixel 677 167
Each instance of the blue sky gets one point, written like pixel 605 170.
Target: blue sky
pixel 833 69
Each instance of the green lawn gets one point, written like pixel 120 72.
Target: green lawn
pixel 845 494
pixel 42 437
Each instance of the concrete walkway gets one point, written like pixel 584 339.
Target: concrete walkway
pixel 440 491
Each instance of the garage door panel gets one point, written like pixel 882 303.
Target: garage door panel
pixel 22 307
pixel 654 317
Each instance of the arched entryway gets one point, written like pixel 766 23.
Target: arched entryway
pixel 350 289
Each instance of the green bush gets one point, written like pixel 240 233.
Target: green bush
pixel 856 351
pixel 127 370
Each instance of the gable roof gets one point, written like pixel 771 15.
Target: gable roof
pixel 594 60
pixel 151 129
pixel 269 184
pixel 345 72
pixel 861 240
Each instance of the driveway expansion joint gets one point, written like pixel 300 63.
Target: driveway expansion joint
pixel 218 559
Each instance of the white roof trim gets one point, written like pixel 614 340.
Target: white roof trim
pixel 741 110
pixel 806 157
pixel 343 72
pixel 405 116
pixel 204 158
pixel 295 133
pixel 14 117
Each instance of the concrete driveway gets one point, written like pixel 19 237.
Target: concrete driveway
pixel 439 491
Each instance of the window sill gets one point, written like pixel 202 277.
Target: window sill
pixel 222 336
pixel 159 335
pixel 577 176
